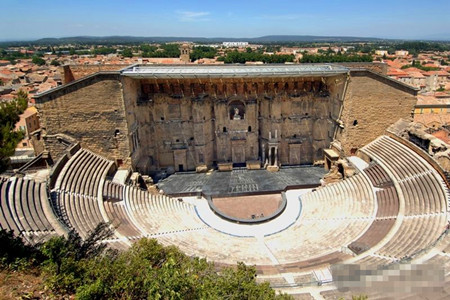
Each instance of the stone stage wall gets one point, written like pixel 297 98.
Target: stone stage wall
pixel 187 123
pixel 182 124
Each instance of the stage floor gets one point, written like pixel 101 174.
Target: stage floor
pixel 241 182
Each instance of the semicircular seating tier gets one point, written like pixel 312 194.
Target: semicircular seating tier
pixel 25 210
pixel 75 197
pixel 396 208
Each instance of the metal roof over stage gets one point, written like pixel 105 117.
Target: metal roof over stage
pixel 231 71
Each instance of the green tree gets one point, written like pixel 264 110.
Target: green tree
pixel 38 60
pixel 242 57
pixel 202 52
pixel 329 58
pixel 9 116
pixel 14 254
pixel 150 271
pixel 418 65
pixel 55 63
pixel 87 270
pixel 104 50
pixel 127 52
pixel 148 48
pixel 67 259
pixel 170 50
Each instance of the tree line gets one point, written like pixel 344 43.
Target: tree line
pixel 9 138
pixel 234 57
pixel 331 58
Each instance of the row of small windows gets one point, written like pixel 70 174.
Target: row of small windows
pixel 178 140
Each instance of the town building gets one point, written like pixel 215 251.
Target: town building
pixel 29 122
pixel 235 44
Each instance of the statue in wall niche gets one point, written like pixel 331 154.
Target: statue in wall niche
pixel 236 114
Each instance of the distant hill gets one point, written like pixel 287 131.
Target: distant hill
pixel 311 38
pixel 161 39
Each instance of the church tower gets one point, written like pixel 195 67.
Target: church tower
pixel 185 51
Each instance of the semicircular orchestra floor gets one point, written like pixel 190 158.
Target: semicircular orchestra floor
pixel 249 208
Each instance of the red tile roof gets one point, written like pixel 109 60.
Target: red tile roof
pixel 443 135
pixel 438 73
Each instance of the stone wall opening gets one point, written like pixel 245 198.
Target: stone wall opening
pixel 236 110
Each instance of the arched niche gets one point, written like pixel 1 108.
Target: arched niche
pixel 236 110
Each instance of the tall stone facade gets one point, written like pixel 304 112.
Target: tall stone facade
pixel 372 103
pixel 182 122
pixel 189 123
pixel 91 111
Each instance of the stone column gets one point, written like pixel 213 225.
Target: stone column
pixel 276 156
pixel 270 156
pixel 263 154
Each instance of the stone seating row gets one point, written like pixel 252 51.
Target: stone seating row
pixel 423 195
pixel 120 220
pixel 157 214
pixel 23 211
pixel 376 232
pixel 352 197
pixel 74 197
pixel 374 260
pixel 425 206
pixel 319 231
pixel 118 244
pixel 414 234
pixel 378 176
pixel 314 239
pixel 388 203
pixel 79 212
pixel 402 161
pixel 173 222
pixel 112 191
pixel 421 186
pixel 82 173
pixel 218 247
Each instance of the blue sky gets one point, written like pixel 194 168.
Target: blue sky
pixel 33 19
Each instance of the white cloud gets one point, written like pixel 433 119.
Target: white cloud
pixel 192 16
pixel 285 17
